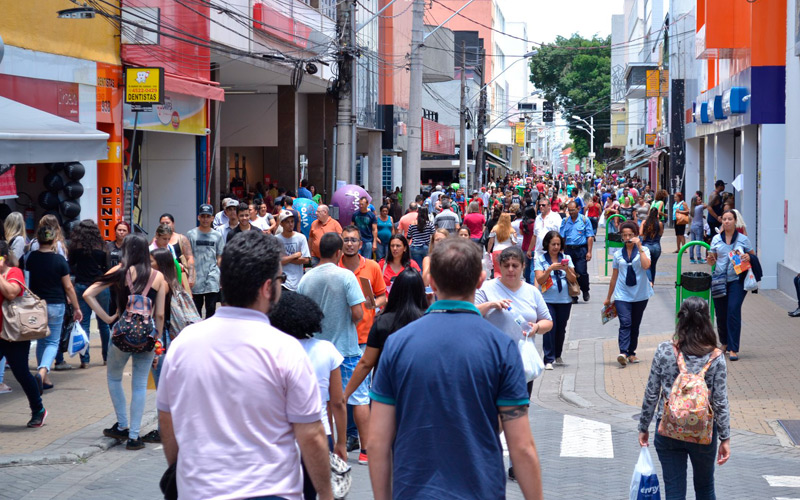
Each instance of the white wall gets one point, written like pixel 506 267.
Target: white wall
pixel 791 178
pixel 249 120
pixel 168 180
pixel 771 194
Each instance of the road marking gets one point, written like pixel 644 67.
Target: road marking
pixel 783 481
pixel 582 438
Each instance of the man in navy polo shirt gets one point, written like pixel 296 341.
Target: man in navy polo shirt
pixel 443 383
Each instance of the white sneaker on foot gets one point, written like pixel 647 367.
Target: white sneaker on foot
pixel 548 366
pixel 622 359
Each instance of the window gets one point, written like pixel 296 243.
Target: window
pixel 386 172
pixel 620 127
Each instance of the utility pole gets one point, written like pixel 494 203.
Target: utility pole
pixel 412 170
pixel 345 120
pixel 591 146
pixel 462 141
pixel 480 157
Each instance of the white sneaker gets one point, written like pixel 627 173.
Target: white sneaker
pixel 548 366
pixel 559 361
pixel 622 359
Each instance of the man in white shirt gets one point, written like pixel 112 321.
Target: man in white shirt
pixel 545 222
pixel 231 220
pixel 234 432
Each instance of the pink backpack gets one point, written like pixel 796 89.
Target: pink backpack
pixel 687 413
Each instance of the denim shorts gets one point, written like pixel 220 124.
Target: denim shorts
pixel 361 395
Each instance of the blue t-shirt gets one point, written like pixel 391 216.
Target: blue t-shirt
pixel 364 222
pixel 722 249
pixel 446 374
pixel 385 229
pixel 335 290
pixel 552 295
pixel 579 202
pixel 605 197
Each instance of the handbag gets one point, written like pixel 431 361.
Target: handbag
pixel 719 284
pixel 182 312
pixel 24 317
pixel 681 219
pixel 574 288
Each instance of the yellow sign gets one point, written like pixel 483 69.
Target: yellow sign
pixel 144 85
pixel 653 83
pixel 520 134
pixel 650 139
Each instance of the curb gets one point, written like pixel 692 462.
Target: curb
pixel 74 447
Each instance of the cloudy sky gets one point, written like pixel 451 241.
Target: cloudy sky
pixel 549 18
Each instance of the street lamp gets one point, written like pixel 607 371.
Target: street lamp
pixel 589 124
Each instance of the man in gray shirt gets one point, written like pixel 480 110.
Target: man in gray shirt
pixel 207 246
pixel 447 219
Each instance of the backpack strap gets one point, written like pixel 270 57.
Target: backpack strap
pixel 679 358
pixel 714 355
pixel 149 283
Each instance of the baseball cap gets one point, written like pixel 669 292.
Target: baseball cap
pixel 285 214
pixel 719 183
pixel 229 202
pixel 206 209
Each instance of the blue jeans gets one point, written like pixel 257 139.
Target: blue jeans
pixel 381 250
pixel 728 310
pixel 697 235
pixel 2 369
pixel 526 272
pixel 418 253
pixel 655 253
pixel 141 367
pixel 366 249
pixel 797 288
pixel 47 347
pixel 103 298
pixel 630 318
pixel 673 454
pixel 553 341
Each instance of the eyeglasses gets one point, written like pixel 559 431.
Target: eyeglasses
pixel 351 240
pixel 282 278
pixel 542 205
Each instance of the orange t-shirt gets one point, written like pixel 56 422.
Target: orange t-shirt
pixel 317 230
pixel 370 270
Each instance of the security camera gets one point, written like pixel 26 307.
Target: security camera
pixel 208 131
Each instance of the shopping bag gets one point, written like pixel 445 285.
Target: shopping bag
pixel 750 283
pixel 78 340
pixel 644 485
pixel 531 361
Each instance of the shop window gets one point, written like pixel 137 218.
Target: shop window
pixel 386 172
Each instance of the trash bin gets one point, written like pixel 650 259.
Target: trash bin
pixel 696 281
pixel 615 237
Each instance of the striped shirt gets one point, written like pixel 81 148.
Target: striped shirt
pixel 419 238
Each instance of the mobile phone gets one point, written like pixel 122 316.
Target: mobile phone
pixel 428 289
pixel 565 262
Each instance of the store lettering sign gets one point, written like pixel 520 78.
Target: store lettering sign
pixel 144 85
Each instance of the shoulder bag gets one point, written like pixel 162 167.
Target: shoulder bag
pixel 681 219
pixel 24 317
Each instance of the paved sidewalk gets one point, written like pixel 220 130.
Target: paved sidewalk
pixel 762 385
pixel 78 407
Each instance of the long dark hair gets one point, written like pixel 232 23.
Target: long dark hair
pixel 651 224
pixel 135 255
pixel 165 263
pixel 405 259
pixel 85 236
pixel 694 333
pixel 407 298
pixel 527 217
pixel 422 218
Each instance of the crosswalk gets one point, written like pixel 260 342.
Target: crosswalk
pixel 784 482
pixel 584 438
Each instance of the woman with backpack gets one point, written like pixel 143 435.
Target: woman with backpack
pixel 691 357
pixel 87 262
pixel 137 324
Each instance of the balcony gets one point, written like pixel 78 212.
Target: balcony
pixel 438 60
pixel 636 79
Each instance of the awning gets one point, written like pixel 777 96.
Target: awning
pixel 616 164
pixel 634 166
pixel 495 159
pixel 490 164
pixel 437 165
pixel 29 135
pixel 196 88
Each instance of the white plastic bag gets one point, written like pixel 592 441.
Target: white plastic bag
pixel 531 360
pixel 78 340
pixel 750 283
pixel 644 485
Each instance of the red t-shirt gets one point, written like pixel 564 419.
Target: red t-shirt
pixel 474 223
pixel 13 274
pixel 389 274
pixel 593 210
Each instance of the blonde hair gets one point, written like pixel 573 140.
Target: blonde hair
pixel 739 220
pixel 50 221
pixel 502 230
pixel 14 226
pixel 441 230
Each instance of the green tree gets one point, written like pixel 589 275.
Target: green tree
pixel 575 74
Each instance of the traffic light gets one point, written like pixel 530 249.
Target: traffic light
pixel 547 112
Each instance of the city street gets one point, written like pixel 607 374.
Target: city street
pixel 583 415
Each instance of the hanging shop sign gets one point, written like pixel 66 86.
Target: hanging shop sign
pixel 520 133
pixel 179 113
pixel 144 85
pixel 652 83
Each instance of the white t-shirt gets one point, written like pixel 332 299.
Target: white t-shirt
pixel 324 358
pixel 527 301
pixel 297 243
pixel 262 223
pixel 516 225
pixel 234 386
pixel 542 226
pixel 502 245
